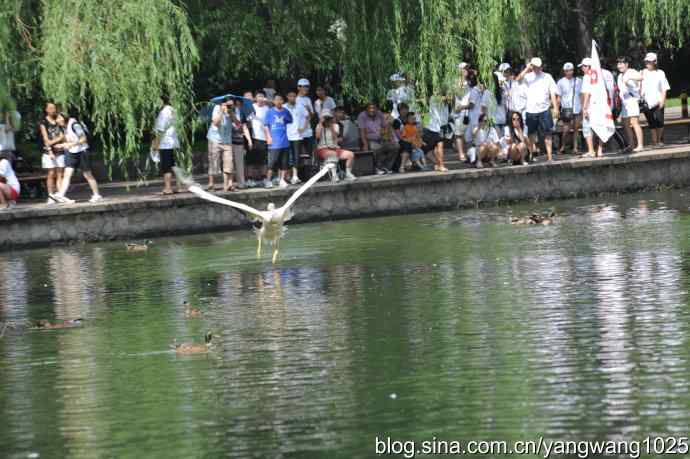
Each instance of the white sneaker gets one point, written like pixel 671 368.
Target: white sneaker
pixel 96 198
pixel 50 202
pixel 64 199
pixel 12 204
pixel 61 199
pixel 380 172
pixel 334 177
pixel 283 184
pixel 268 184
pixel 295 180
pixel 350 176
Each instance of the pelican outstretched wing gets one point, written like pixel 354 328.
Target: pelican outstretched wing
pixel 324 170
pixel 194 187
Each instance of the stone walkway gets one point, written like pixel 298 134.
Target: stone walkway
pixel 116 192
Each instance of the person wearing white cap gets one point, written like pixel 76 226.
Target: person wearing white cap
pixel 542 93
pixel 655 87
pixel 305 102
pixel 629 90
pixel 400 93
pixel 460 112
pixel 569 88
pixel 462 102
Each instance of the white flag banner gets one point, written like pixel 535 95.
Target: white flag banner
pixel 600 116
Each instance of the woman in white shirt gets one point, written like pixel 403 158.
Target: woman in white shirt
pixel 515 139
pixel 654 89
pixel 629 88
pixel 166 142
pixel 9 185
pixel 486 142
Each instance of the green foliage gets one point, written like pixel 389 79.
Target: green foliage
pixel 258 39
pixel 112 61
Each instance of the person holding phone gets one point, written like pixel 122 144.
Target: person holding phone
pixel 542 95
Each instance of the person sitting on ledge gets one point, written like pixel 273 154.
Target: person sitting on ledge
pixel 327 136
pixel 9 185
pixel 515 140
pixel 411 142
pixel 486 141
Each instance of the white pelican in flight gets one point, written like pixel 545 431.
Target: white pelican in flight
pixel 272 219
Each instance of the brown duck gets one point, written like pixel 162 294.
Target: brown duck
pixel 134 247
pixel 189 311
pixel 534 219
pixel 194 348
pixel 44 324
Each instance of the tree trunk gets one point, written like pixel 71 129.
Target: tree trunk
pixel 584 27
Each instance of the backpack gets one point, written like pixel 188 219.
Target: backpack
pixel 87 133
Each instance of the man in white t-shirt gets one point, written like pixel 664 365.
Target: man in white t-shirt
pixel 629 90
pixel 304 100
pixel 569 88
pixel 460 106
pixel 655 87
pixel 542 94
pixel 295 130
pixel 256 159
pixel 471 104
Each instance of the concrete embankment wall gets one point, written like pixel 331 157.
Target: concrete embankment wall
pixel 138 217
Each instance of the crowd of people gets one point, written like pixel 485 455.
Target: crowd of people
pixel 265 139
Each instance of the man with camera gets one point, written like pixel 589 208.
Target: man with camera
pixel 219 138
pixel 542 93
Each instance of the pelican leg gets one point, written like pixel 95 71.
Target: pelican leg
pixel 258 248
pixel 275 250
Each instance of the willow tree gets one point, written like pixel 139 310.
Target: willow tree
pixel 112 60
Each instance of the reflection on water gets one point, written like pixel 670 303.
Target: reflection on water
pixel 578 330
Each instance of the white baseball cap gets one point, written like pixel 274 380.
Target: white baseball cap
pixel 586 61
pixel 397 77
pixel 503 67
pixel 462 65
pixel 303 82
pixel 500 76
pixel 568 66
pixel 650 57
pixel 536 62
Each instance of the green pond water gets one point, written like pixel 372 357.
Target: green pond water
pixel 452 325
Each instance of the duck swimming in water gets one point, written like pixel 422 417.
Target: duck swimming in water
pixel 534 219
pixel 44 324
pixel 194 348
pixel 134 247
pixel 189 311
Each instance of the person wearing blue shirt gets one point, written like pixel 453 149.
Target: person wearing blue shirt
pixel 275 128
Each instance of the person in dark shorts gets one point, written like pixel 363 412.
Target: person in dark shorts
pixel 77 156
pixel 655 88
pixel 256 157
pixel 166 142
pixel 542 96
pixel 275 128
